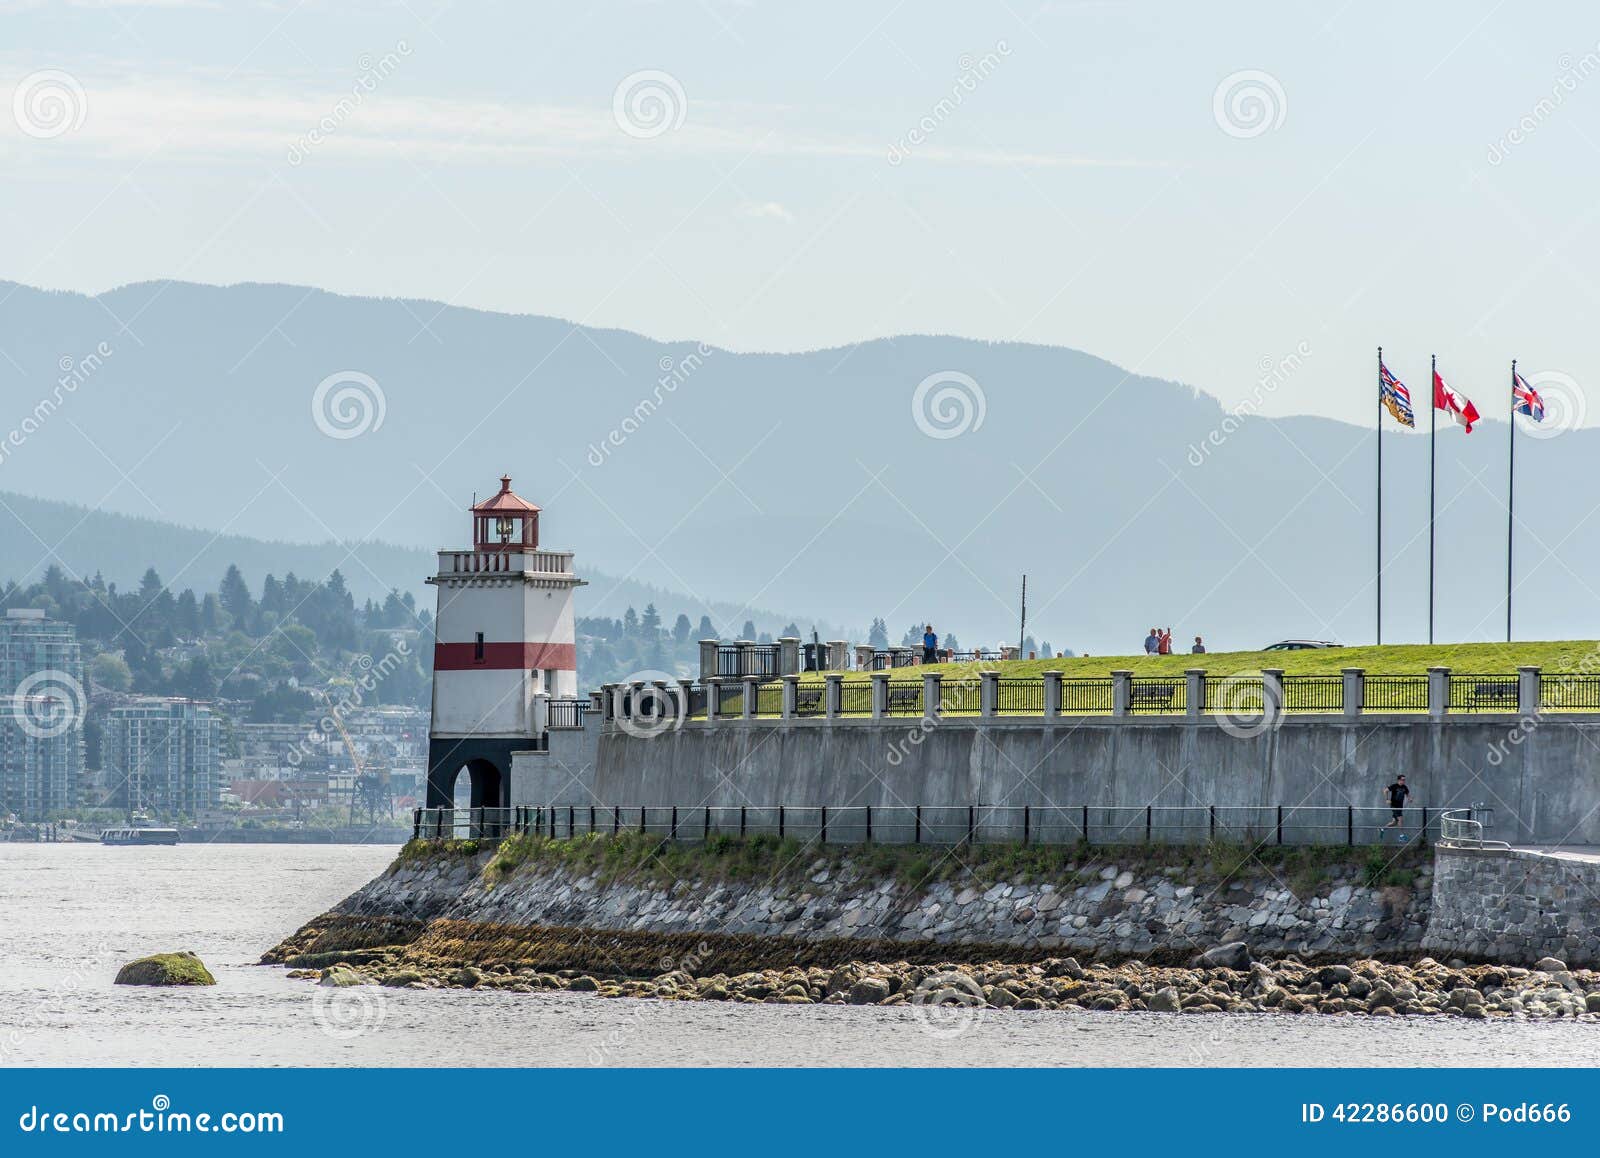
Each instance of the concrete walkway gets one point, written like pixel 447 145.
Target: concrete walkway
pixel 1586 853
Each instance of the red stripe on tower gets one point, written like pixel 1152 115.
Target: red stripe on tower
pixel 505 657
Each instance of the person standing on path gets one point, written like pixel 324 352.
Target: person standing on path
pixel 1398 791
pixel 930 645
pixel 1199 647
pixel 1152 642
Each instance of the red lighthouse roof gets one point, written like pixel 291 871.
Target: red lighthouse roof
pixel 505 522
pixel 505 502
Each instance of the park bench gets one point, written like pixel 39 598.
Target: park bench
pixel 1151 695
pixel 807 701
pixel 1493 694
pixel 904 700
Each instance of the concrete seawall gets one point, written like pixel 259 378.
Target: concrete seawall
pixel 1541 782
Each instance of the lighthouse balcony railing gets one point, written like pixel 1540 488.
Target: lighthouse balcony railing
pixel 565 713
pixel 505 562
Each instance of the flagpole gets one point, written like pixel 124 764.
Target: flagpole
pixel 1511 488
pixel 1433 454
pixel 1378 556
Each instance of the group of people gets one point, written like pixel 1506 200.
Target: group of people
pixel 1159 642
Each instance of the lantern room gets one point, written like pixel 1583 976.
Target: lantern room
pixel 505 522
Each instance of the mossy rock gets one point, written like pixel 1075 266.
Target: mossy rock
pixel 166 969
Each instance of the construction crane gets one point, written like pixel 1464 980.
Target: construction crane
pixel 368 790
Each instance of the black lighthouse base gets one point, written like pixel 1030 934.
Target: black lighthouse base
pixel 486 761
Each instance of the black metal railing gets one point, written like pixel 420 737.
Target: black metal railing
pixel 1483 693
pixel 960 697
pixel 1086 696
pixel 1019 697
pixel 1093 824
pixel 761 660
pixel 903 698
pixel 1313 693
pixel 565 713
pixel 1570 693
pixel 1241 695
pixel 1388 693
pixel 1157 694
pixel 855 697
pixel 885 659
pixel 769 699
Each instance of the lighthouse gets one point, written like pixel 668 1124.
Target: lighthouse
pixel 504 633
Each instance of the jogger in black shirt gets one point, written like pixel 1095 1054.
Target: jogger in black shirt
pixel 1397 804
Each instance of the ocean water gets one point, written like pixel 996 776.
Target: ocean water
pixel 70 915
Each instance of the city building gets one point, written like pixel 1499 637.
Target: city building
pixel 164 756
pixel 42 702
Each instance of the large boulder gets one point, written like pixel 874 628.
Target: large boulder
pixel 1165 1000
pixel 166 969
pixel 1233 955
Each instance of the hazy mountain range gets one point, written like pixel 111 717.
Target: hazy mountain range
pixel 805 481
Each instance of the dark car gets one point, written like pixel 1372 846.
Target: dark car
pixel 1299 645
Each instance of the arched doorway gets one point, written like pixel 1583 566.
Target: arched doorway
pixel 481 768
pixel 482 785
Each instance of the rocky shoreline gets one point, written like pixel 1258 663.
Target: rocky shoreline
pixel 777 924
pixel 1424 988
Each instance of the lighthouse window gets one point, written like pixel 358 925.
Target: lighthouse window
pixel 477 648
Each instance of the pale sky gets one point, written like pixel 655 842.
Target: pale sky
pixel 1077 174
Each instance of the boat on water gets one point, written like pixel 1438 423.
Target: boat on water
pixel 139 835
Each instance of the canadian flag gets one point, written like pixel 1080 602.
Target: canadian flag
pixel 1458 406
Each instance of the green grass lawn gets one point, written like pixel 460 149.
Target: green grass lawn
pixel 1392 659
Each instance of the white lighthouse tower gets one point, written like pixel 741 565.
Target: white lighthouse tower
pixel 504 632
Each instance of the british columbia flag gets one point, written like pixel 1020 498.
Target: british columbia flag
pixel 1394 396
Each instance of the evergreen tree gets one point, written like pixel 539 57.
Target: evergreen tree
pixel 707 628
pixel 186 616
pixel 681 630
pixel 235 598
pixel 878 636
pixel 650 624
pixel 749 630
pixel 630 623
pixel 790 631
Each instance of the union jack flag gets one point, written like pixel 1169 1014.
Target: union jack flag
pixel 1394 396
pixel 1525 399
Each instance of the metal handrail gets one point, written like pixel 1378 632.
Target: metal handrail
pixel 1093 824
pixel 1459 828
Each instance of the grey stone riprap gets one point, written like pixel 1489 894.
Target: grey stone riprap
pixel 1096 908
pixel 1515 906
